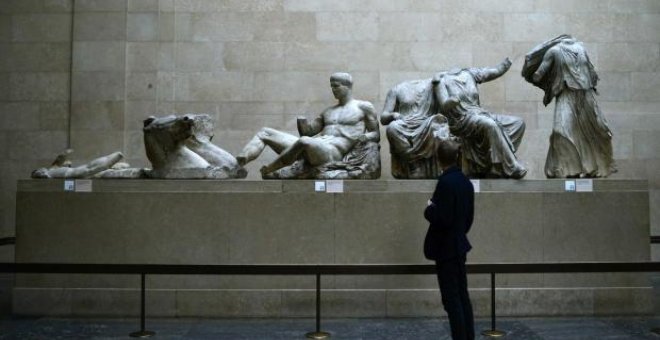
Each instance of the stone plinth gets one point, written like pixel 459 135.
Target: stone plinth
pixel 287 222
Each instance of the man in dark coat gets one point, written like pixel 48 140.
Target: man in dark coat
pixel 450 212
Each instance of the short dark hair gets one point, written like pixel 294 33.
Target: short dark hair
pixel 447 152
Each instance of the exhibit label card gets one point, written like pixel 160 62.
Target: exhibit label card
pixel 319 186
pixel 334 185
pixel 69 185
pixel 83 185
pixel 584 185
pixel 476 184
pixel 569 185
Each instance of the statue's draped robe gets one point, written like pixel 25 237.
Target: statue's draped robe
pixel 489 140
pixel 581 141
pixel 413 138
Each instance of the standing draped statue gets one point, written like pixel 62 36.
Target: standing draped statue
pixel 581 141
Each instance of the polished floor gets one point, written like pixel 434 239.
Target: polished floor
pixel 414 328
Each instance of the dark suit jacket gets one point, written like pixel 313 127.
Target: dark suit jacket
pixel 450 215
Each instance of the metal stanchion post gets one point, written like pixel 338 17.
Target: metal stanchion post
pixel 142 333
pixel 318 334
pixel 493 332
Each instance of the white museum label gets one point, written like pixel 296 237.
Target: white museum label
pixel 334 185
pixel 584 185
pixel 569 185
pixel 319 186
pixel 476 184
pixel 69 185
pixel 83 185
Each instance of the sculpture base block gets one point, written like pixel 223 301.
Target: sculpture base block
pixel 287 222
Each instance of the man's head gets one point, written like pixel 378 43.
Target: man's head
pixel 447 153
pixel 341 84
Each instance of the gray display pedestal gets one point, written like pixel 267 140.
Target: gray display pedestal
pixel 287 222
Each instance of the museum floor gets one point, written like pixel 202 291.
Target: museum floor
pixel 413 328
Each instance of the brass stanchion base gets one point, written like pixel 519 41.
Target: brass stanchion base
pixel 655 331
pixel 493 333
pixel 142 334
pixel 317 335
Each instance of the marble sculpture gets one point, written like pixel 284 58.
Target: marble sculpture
pixel 581 140
pixel 342 142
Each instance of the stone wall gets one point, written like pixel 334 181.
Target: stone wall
pixel 253 63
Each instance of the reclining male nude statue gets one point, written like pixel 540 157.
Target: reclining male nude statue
pixel 342 142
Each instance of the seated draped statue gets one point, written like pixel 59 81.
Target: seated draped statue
pixel 180 147
pixel 342 142
pixel 489 141
pixel 581 140
pixel 62 168
pixel 414 129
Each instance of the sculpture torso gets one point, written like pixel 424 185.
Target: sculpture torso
pixel 463 86
pixel 412 97
pixel 342 125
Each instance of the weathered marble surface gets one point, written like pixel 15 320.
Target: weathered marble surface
pixel 179 147
pixel 341 143
pixel 581 140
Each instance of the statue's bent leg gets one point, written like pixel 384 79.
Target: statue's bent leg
pixel 501 149
pixel 277 140
pixel 398 142
pixel 315 151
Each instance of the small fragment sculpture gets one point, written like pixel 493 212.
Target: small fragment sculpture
pixel 102 167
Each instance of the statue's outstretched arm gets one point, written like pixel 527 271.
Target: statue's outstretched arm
pixel 490 73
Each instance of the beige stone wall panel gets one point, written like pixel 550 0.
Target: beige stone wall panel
pixel 205 6
pixel 216 27
pixel 99 56
pixel 98 86
pixel 19 116
pixel 143 5
pixel 347 26
pixel 199 57
pixel 98 115
pixel 5 28
pixel 646 86
pixel 142 56
pixel 220 86
pixel 93 26
pixel 53 116
pixel 141 86
pixel 142 26
pixel 628 57
pixel 100 5
pixel 35 57
pixel 41 27
pixel 38 86
pixel 285 26
pixel 533 27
